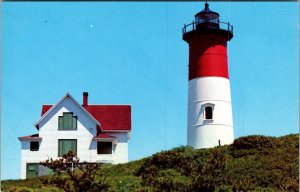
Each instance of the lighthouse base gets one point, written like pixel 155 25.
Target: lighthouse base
pixel 208 136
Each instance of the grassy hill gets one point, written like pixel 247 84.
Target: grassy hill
pixel 252 163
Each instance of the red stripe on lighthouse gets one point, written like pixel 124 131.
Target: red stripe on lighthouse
pixel 208 57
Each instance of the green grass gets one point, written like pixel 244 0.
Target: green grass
pixel 26 185
pixel 252 163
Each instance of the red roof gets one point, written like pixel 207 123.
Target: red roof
pixel 111 117
pixel 45 108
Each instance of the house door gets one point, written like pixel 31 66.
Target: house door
pixel 32 170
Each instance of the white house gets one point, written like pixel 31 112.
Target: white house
pixel 96 133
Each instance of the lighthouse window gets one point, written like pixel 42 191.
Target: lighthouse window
pixel 208 113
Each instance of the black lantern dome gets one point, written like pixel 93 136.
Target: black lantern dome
pixel 207 18
pixel 207 21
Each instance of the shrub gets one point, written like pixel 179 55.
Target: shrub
pixel 20 189
pixel 252 145
pixel 76 178
pixel 51 189
pixel 254 142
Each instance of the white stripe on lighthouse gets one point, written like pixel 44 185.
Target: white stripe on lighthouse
pixel 214 92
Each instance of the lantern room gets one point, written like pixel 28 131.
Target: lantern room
pixel 207 18
pixel 207 22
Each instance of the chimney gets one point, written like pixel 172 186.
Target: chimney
pixel 85 99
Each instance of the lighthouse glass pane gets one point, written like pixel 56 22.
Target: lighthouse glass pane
pixel 208 113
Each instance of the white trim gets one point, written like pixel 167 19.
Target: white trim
pixel 198 125
pixel 212 105
pixel 60 101
pixel 198 101
pixel 113 140
pixel 104 161
pixel 209 77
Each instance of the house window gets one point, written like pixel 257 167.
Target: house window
pixel 34 145
pixel 67 122
pixel 104 148
pixel 66 145
pixel 208 112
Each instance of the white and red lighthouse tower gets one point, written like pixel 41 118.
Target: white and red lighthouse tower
pixel 209 99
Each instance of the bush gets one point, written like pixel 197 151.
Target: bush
pixel 76 178
pixel 252 145
pixel 254 142
pixel 51 189
pixel 254 163
pixel 20 189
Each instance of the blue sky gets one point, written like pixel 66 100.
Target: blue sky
pixel 132 53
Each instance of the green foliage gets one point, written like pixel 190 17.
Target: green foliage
pixel 250 145
pixel 30 183
pixel 253 163
pixel 20 189
pixel 254 142
pixel 73 176
pixel 49 189
pixel 268 162
pixel 120 177
pixel 30 189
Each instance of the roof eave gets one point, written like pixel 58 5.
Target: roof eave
pixel 113 140
pixel 30 138
pixel 116 131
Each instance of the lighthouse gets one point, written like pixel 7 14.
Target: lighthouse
pixel 209 98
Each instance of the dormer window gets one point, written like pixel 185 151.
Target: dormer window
pixel 67 121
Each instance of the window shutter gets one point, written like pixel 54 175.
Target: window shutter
pixel 60 122
pixel 65 121
pixel 67 146
pixel 60 148
pixel 74 123
pixel 69 121
pixel 74 146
